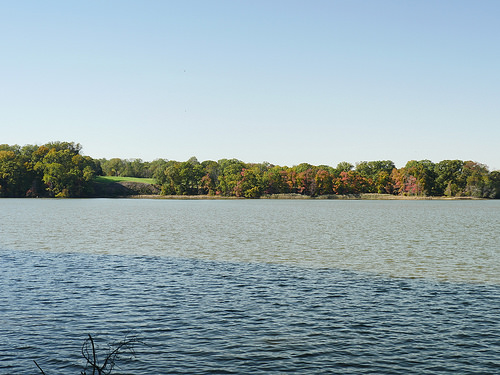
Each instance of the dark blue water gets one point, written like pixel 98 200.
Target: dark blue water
pixel 209 317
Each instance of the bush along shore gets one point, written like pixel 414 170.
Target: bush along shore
pixel 59 169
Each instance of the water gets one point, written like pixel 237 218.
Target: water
pixel 233 287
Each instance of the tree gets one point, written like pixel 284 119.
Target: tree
pixel 292 180
pixel 191 174
pixel 371 169
pixel 350 182
pixel 478 183
pixel 249 186
pixel 172 180
pixel 377 173
pixel 344 166
pixel 113 167
pixel 182 178
pixel 72 147
pixel 230 175
pixel 448 177
pixel 66 173
pixel 210 179
pixel 417 178
pixel 275 180
pixel 324 182
pixel 383 183
pixel 495 183
pixel 157 170
pixel 306 182
pixel 13 181
pixel 135 168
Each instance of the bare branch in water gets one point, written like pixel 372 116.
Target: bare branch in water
pixel 43 373
pixel 89 352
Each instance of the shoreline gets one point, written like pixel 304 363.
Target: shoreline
pixel 365 196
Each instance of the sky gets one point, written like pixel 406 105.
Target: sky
pixel 280 81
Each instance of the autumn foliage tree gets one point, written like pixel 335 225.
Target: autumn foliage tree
pixel 232 177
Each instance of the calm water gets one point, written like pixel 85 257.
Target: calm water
pixel 238 287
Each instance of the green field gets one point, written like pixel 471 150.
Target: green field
pixel 111 179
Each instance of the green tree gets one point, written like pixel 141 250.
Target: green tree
pixel 420 177
pixel 275 180
pixel 230 175
pixel 478 183
pixel 157 170
pixel 182 178
pixel 210 179
pixel 113 167
pixel 250 184
pixel 12 175
pixel 371 169
pixel 135 168
pixel 344 167
pixel 448 177
pixel 65 172
pixel 377 174
pixel 383 183
pixel 495 183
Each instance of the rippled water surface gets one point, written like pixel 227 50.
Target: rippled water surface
pixel 237 287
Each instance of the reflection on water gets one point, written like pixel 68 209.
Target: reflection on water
pixel 439 240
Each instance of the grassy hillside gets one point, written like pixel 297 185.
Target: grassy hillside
pixel 112 179
pixel 112 186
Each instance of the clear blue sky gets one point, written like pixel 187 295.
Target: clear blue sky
pixel 278 81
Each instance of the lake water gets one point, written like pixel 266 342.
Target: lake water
pixel 252 286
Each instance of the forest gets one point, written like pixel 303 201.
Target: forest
pixel 58 169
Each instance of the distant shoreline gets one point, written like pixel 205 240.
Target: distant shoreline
pixel 58 169
pixel 366 196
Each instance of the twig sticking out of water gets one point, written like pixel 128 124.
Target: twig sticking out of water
pixel 43 373
pixel 111 357
pixel 90 355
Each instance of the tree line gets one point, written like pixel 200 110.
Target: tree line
pixel 58 169
pixel 55 169
pixel 232 177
